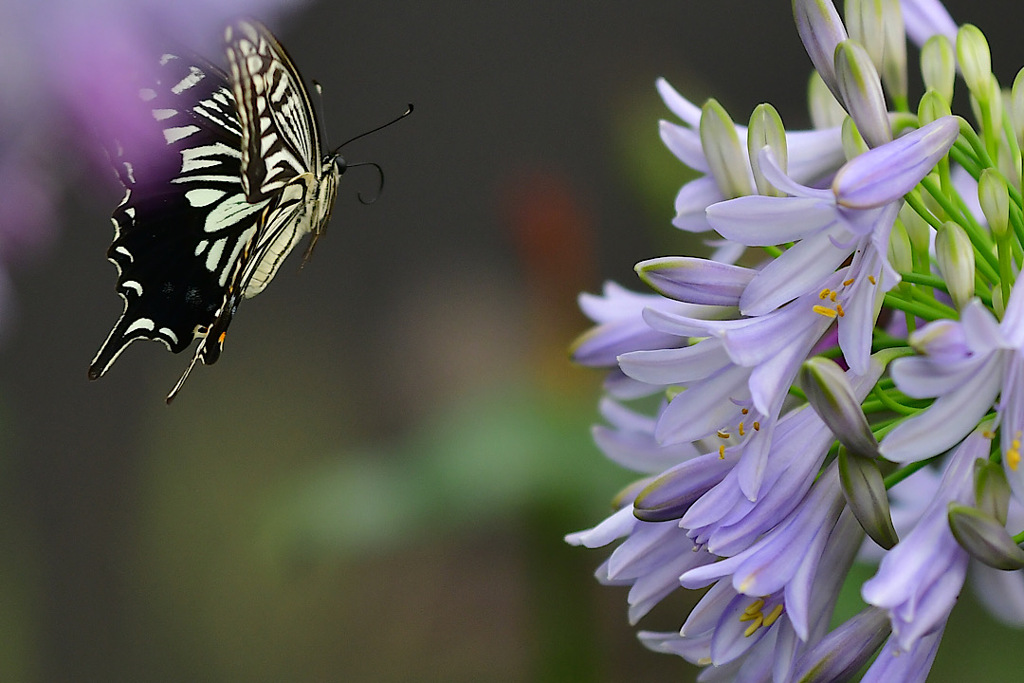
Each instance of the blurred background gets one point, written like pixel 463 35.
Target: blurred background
pixel 374 481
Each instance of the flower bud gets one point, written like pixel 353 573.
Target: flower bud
pixel 932 107
pixel 841 653
pixel 724 152
pixel 991 489
pixel 1017 106
pixel 901 254
pixel 974 57
pixel 826 112
pixel 830 394
pixel 994 196
pixel 938 66
pixel 894 63
pixel 984 538
pixel 861 89
pixel 853 143
pixel 865 493
pixel 821 30
pixel 766 130
pixel 863 20
pixel 955 255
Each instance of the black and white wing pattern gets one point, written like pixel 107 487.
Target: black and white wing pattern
pixel 280 149
pixel 235 181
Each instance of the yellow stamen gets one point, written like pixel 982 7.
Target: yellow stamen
pixel 740 429
pixel 824 294
pixel 757 426
pixel 754 607
pixel 723 434
pixel 745 411
pixel 871 279
pixel 773 615
pixel 832 296
pixel 752 629
pixel 1013 454
pixel 827 312
pixel 839 310
pixel 847 283
pixel 721 452
pixel 988 434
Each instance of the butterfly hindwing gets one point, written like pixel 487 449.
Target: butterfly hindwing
pixel 185 219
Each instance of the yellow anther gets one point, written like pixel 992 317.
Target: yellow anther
pixel 754 607
pixel 740 429
pixel 822 310
pixel 847 283
pixel 773 615
pixel 723 434
pixel 839 310
pixel 757 426
pixel 988 434
pixel 721 452
pixel 872 280
pixel 745 411
pixel 752 629
pixel 824 294
pixel 832 296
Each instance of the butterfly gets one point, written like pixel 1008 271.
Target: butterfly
pixel 238 179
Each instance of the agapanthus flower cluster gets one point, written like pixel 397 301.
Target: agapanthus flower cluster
pixel 844 376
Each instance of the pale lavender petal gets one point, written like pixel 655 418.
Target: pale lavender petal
pixel 677 104
pixel 886 173
pixel 922 377
pixel 821 30
pixel 895 664
pixel 759 221
pixel 695 280
pixel 800 269
pixel 692 201
pixel 685 144
pixel 1000 591
pixel 675 366
pixel 785 182
pixel 946 421
pixel 640 452
pixel 815 154
pixel 703 408
pixel 618 525
pixel 926 18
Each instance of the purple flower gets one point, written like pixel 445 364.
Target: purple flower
pixel 889 254
pixel 919 580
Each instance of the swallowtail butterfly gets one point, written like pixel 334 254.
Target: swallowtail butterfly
pixel 237 181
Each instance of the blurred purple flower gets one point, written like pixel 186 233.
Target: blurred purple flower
pixel 70 73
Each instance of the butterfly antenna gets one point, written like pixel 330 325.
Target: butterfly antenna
pixel 374 130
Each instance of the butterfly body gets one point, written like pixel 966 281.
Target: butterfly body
pixel 237 179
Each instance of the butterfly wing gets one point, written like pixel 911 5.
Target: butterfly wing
pixel 185 221
pixel 280 140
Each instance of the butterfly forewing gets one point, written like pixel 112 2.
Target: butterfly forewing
pixel 279 133
pixel 185 219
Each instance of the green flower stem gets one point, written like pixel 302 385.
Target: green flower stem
pixel 891 403
pixel 1006 274
pixel 904 472
pixel 921 310
pixel 987 262
pixel 924 298
pixel 977 146
pixel 928 280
